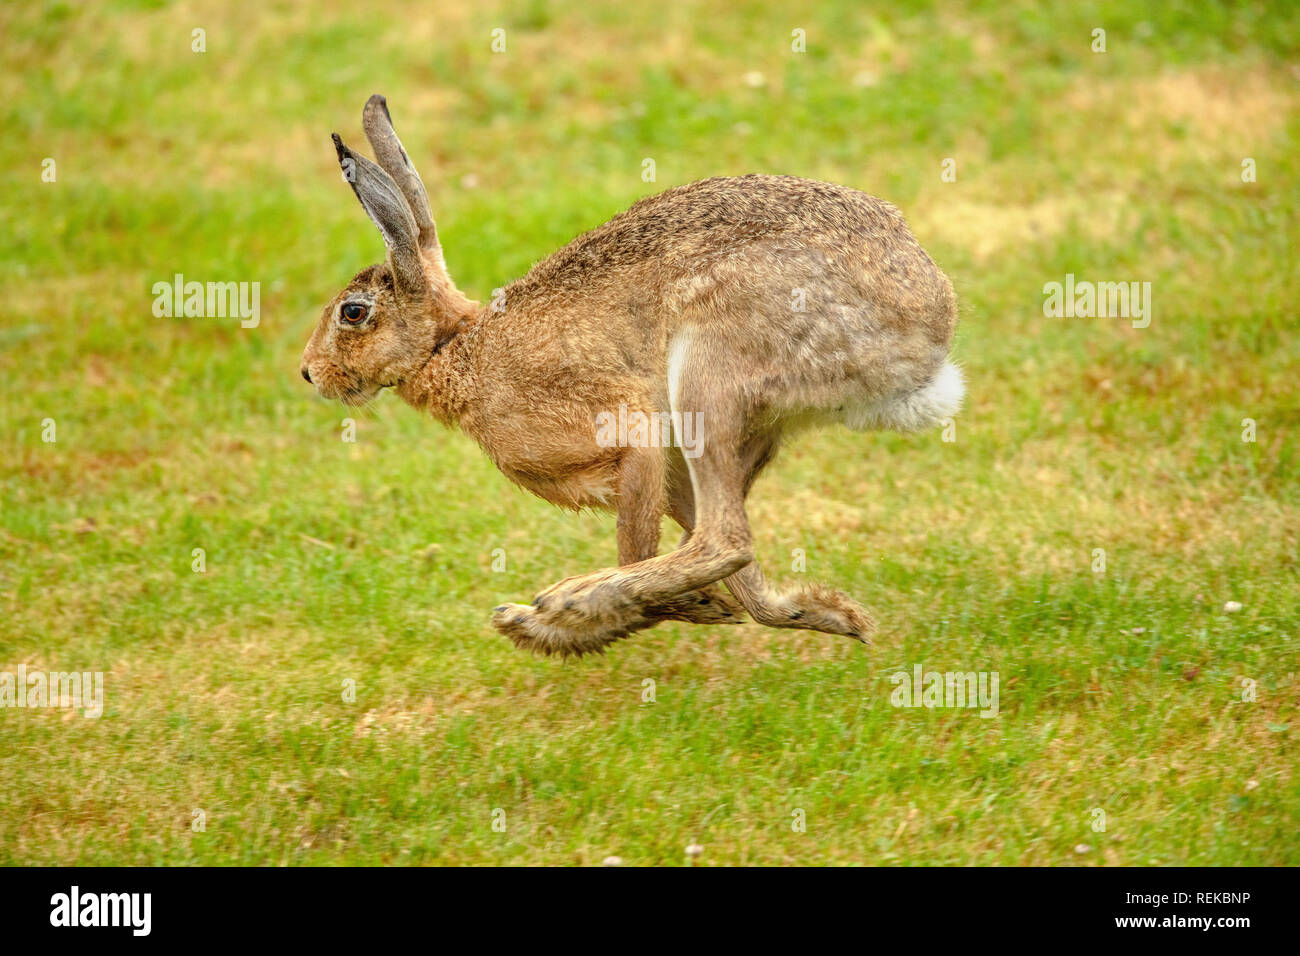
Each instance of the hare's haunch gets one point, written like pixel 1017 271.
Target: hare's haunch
pixel 651 367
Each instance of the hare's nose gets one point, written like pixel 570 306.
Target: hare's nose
pixel 306 375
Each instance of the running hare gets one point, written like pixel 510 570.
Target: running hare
pixel 727 311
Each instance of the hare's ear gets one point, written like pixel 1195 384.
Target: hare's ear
pixel 378 124
pixel 387 208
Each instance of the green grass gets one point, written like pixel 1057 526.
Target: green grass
pixel 373 561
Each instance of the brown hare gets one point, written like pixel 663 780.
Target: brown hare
pixel 650 367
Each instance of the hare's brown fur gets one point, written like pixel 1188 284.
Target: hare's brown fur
pixel 759 304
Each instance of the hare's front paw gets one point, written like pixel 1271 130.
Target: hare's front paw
pixel 577 616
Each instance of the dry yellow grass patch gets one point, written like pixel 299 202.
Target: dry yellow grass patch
pixel 1210 114
pixel 985 228
pixel 1219 106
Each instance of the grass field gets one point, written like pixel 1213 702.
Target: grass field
pixel 226 738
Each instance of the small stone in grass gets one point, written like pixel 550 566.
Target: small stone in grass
pixel 1082 848
pixel 1232 607
pixel 612 861
pixel 694 851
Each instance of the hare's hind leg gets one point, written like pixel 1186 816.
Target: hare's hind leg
pixel 640 508
pixel 588 612
pixel 815 607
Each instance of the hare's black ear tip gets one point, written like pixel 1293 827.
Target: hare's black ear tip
pixel 379 100
pixel 338 145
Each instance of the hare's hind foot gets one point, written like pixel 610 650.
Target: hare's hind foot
pixel 532 631
pixel 586 614
pixel 577 616
pixel 813 608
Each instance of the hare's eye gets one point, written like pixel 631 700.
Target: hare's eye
pixel 354 312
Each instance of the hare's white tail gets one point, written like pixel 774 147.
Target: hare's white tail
pixel 927 406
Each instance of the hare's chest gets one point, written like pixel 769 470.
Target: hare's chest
pixel 557 457
pixel 589 486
